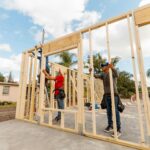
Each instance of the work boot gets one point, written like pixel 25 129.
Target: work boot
pixel 118 133
pixel 57 118
pixel 108 129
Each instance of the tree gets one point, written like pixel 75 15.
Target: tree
pixel 2 78
pixel 98 60
pixel 125 84
pixel 148 73
pixel 67 59
pixel 115 60
pixel 10 78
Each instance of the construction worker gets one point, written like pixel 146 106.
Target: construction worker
pixel 107 96
pixel 58 91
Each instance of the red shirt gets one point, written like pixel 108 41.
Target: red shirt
pixel 59 83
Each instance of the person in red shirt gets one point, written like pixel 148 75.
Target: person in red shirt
pixel 59 87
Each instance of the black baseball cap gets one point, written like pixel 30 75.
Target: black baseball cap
pixel 104 64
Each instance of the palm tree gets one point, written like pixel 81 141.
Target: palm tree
pixel 67 59
pixel 10 78
pixel 98 60
pixel 148 73
pixel 115 60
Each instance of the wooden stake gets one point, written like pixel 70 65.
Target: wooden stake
pixel 24 87
pixel 69 103
pixel 80 88
pixel 32 107
pixel 66 89
pixel 51 87
pixel 29 87
pixel 92 84
pixel 111 85
pixel 62 120
pixel 73 88
pixel 19 100
pixel 142 76
pixel 136 82
pixel 42 85
pixel 50 118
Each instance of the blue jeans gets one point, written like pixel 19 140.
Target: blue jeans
pixel 60 103
pixel 109 112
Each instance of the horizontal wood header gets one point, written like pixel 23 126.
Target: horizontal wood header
pixel 142 17
pixel 61 44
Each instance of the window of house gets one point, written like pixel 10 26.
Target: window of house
pixel 6 90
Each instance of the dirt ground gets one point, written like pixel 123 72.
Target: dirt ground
pixel 7 113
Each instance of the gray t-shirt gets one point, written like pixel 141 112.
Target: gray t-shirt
pixel 106 81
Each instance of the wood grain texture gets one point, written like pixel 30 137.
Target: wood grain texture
pixel 62 43
pixel 142 17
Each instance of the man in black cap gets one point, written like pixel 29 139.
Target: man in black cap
pixel 107 95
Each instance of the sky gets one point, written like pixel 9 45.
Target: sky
pixel 21 23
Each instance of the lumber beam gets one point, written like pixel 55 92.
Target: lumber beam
pixel 118 141
pixel 142 16
pixel 80 88
pixel 59 44
pixel 92 84
pixel 62 43
pixel 32 107
pixel 136 81
pixel 111 84
pixel 42 85
pixel 20 85
pixel 24 87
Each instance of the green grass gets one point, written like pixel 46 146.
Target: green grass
pixel 6 104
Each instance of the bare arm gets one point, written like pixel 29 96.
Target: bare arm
pixel 47 76
pixel 45 72
pixel 51 77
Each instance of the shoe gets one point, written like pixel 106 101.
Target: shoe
pixel 108 129
pixel 118 133
pixel 57 118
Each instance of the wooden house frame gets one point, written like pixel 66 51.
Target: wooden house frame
pixel 141 17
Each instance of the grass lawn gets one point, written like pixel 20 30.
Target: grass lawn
pixel 6 104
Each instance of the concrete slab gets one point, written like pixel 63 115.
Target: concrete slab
pixel 130 130
pixel 19 135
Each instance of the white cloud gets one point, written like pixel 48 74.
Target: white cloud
pixel 55 16
pixel 144 2
pixel 5 47
pixel 11 64
pixel 118 37
pixel 119 40
pixel 38 36
pixel 89 18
